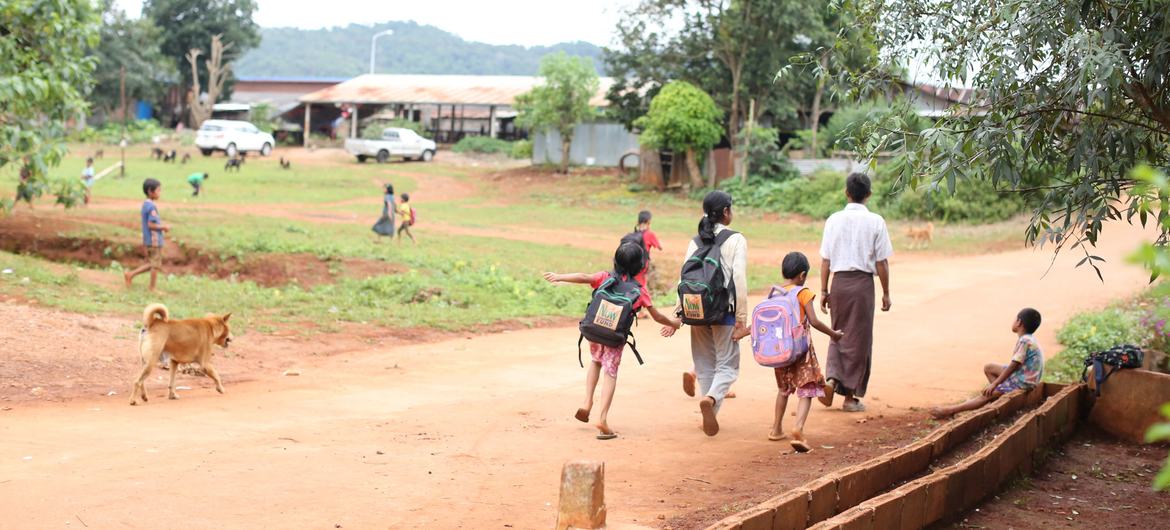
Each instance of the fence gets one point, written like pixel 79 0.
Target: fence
pixel 594 144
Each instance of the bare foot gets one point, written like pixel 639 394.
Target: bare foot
pixel 689 383
pixel 582 415
pixel 126 276
pixel 710 424
pixel 776 436
pixel 938 413
pixel 799 444
pixel 730 395
pixel 604 432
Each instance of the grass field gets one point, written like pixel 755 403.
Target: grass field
pixel 483 240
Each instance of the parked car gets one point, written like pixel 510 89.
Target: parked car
pixel 395 142
pixel 232 137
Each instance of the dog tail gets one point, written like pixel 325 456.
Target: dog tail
pixel 154 312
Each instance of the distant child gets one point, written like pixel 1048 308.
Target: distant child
pixel 627 262
pixel 649 241
pixel 196 182
pixel 87 178
pixel 1023 372
pixel 406 213
pixel 152 234
pixel 24 190
pixel 385 225
pixel 804 378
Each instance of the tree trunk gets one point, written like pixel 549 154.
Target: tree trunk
pixel 733 120
pixel 815 118
pixel 217 74
pixel 566 143
pixel 693 170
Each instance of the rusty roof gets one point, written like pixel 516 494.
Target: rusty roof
pixel 486 90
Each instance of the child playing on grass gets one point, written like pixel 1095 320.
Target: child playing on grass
pixel 627 262
pixel 152 234
pixel 196 182
pixel 1022 373
pixel 87 178
pixel 804 378
pixel 406 213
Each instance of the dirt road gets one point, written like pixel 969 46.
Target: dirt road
pixel 471 433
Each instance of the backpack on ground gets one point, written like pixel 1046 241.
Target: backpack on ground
pixel 610 315
pixel 1116 358
pixel 703 291
pixel 780 337
pixel 637 238
pixel 413 217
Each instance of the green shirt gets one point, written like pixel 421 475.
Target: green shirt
pixel 196 179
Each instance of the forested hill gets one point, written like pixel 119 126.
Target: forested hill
pixel 412 49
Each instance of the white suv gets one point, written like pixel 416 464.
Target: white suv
pixel 232 137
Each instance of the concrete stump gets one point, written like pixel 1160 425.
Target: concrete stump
pixel 582 504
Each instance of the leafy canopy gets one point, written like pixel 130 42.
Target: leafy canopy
pixel 682 117
pixel 187 24
pixel 134 44
pixel 43 78
pixel 562 101
pixel 1082 87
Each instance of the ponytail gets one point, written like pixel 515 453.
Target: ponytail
pixel 713 205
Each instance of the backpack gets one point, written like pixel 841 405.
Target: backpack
pixel 610 314
pixel 705 295
pixel 780 337
pixel 636 238
pixel 413 217
pixel 1117 357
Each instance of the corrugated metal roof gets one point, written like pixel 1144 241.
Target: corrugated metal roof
pixel 484 90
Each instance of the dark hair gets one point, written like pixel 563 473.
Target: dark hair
pixel 206 176
pixel 89 160
pixel 713 205
pixel 794 263
pixel 644 217
pixel 1030 318
pixel 627 260
pixel 150 185
pixel 406 197
pixel 858 186
pixel 389 189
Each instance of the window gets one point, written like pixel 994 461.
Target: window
pixel 390 135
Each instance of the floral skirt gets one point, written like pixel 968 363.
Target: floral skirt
pixel 609 357
pixel 804 378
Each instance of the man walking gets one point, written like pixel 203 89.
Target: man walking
pixel 855 246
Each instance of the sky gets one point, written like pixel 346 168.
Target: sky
pixel 523 22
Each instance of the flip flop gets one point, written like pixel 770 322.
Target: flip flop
pixel 801 446
pixel 855 406
pixel 775 438
pixel 827 399
pixel 689 384
pixel 710 424
pixel 607 436
pixel 582 415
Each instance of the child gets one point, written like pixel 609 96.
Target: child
pixel 152 234
pixel 24 190
pixel 649 241
pixel 87 178
pixel 803 378
pixel 627 261
pixel 1022 372
pixel 407 215
pixel 196 182
pixel 385 225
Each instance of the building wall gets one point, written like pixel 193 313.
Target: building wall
pixel 602 143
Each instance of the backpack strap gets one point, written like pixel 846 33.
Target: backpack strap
pixel 633 344
pixel 579 340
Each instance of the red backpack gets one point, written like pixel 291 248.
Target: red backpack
pixel 413 216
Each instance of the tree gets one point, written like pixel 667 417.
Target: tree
pixel 562 101
pixel 682 118
pixel 1079 87
pixel 134 44
pixel 217 73
pixel 43 78
pixel 188 24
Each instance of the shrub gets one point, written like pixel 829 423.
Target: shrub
pixel 110 133
pixel 522 149
pixel 482 144
pixel 975 201
pixel 817 196
pixel 1091 332
pixel 766 159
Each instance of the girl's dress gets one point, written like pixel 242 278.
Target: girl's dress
pixel 804 378
pixel 385 224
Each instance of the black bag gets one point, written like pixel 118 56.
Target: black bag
pixel 636 238
pixel 610 314
pixel 1117 358
pixel 706 296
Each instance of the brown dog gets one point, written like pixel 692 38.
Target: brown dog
pixel 922 235
pixel 187 341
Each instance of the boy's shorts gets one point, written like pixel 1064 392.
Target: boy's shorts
pixel 609 357
pixel 154 257
pixel 1009 385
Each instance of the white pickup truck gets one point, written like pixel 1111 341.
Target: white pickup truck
pixel 395 142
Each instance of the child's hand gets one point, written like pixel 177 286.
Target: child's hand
pixel 552 277
pixel 837 335
pixel 740 331
pixel 989 391
pixel 668 331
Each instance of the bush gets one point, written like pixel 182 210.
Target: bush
pixel 816 196
pixel 482 144
pixel 373 131
pixel 1091 332
pixel 522 149
pixel 110 133
pixel 974 201
pixel 766 159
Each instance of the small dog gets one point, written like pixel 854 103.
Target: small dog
pixel 186 158
pixel 922 235
pixel 99 154
pixel 170 157
pixel 157 153
pixel 187 341
pixel 233 163
pixel 285 164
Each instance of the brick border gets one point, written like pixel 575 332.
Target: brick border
pixel 844 493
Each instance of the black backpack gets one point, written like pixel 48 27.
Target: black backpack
pixel 637 238
pixel 610 314
pixel 1117 358
pixel 703 292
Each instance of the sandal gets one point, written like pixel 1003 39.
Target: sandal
pixel 689 383
pixel 607 436
pixel 582 415
pixel 830 389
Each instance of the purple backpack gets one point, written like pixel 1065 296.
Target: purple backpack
pixel 779 336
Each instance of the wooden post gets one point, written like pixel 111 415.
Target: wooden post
pixel 582 501
pixel 438 121
pixel 452 138
pixel 122 142
pixel 462 118
pixel 308 112
pixel 353 129
pixel 747 144
pixel 492 121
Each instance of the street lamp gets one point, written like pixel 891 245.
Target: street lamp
pixel 373 42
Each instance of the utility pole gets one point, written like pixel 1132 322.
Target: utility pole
pixel 122 170
pixel 373 46
pixel 747 143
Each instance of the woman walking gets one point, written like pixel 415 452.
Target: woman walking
pixel 715 330
pixel 385 225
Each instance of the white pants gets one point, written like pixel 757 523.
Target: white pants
pixel 716 359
